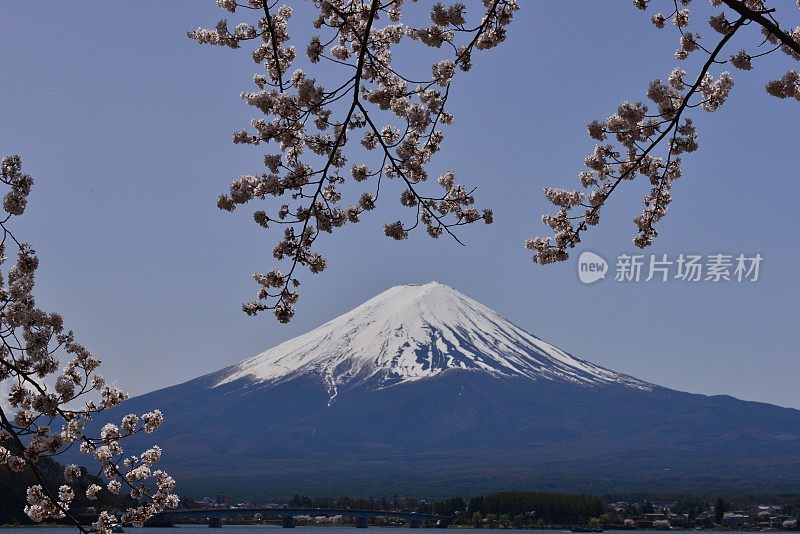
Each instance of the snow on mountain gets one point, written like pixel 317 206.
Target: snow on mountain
pixel 412 332
pixel 424 391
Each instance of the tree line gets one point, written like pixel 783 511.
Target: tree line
pixel 521 507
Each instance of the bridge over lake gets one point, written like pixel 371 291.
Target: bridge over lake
pixel 214 516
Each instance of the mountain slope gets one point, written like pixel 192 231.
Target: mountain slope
pixel 422 390
pixel 413 332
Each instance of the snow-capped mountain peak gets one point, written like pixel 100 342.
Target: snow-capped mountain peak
pixel 413 332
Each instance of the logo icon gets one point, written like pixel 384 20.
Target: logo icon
pixel 591 267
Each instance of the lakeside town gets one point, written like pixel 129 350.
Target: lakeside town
pixel 526 510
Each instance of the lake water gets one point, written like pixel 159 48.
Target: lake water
pixel 245 529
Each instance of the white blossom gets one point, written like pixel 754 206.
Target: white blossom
pixel 152 420
pixel 92 491
pixel 300 117
pixel 65 493
pixel 47 419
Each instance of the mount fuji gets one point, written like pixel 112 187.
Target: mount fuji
pixel 423 390
pixel 413 332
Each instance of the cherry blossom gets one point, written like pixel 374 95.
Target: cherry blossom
pixel 48 404
pixel 628 140
pixel 374 124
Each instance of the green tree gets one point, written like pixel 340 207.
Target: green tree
pixel 300 501
pixel 552 508
pixel 719 510
pixel 475 504
pixel 449 506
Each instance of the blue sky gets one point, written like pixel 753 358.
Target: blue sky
pixel 126 124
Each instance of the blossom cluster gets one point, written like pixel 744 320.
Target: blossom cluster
pixel 628 139
pixel 46 409
pixel 390 121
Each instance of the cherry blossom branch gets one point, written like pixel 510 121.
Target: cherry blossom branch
pixel 64 510
pixel 274 41
pixel 640 133
pixel 308 168
pixel 284 306
pixel 29 340
pixel 758 17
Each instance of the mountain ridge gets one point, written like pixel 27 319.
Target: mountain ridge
pixel 424 391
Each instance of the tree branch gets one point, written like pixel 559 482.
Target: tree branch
pixel 757 17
